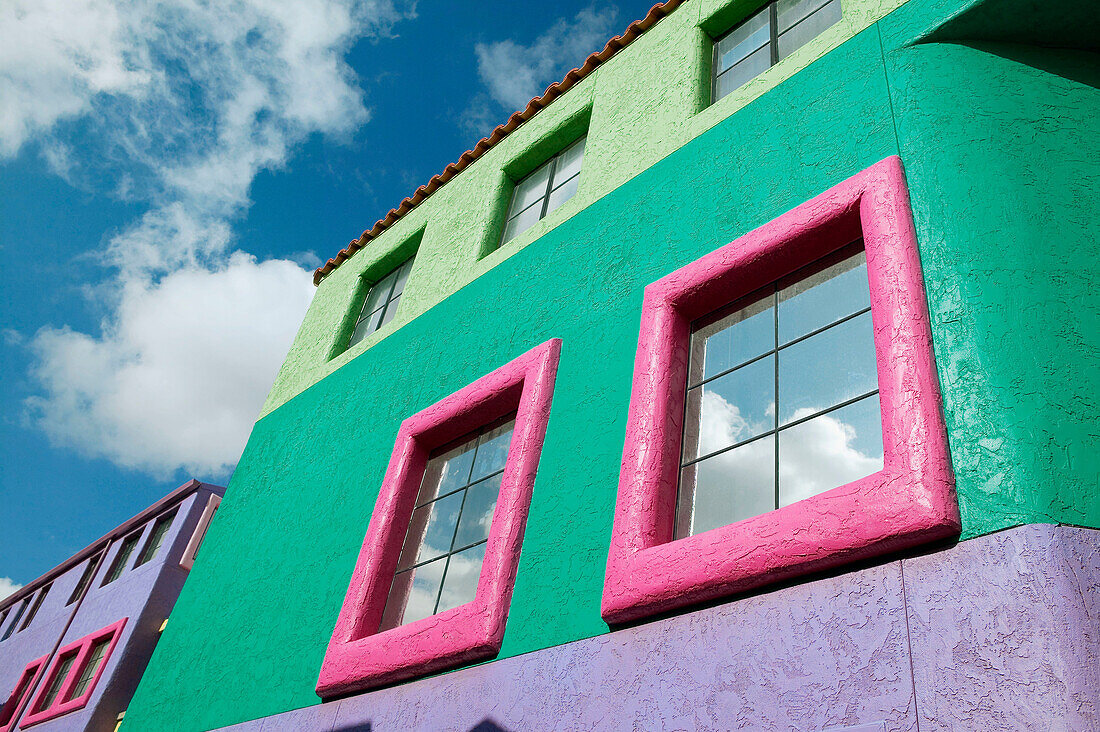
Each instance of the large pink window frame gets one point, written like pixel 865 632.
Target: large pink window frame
pixel 81 648
pixel 909 502
pixel 27 679
pixel 358 656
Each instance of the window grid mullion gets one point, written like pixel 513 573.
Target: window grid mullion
pixel 456 490
pixel 773 29
pixel 549 185
pixel 441 557
pixel 775 394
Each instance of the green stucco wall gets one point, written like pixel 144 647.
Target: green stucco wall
pixel 645 102
pixel 1000 146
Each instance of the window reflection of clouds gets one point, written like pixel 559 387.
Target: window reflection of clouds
pixel 815 456
pixel 468 478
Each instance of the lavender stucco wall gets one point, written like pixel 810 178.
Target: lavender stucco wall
pixel 996 633
pixel 143 594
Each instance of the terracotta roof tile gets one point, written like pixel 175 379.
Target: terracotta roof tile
pixel 552 92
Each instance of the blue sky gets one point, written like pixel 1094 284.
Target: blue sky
pixel 170 174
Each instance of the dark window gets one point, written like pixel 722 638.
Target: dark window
pixel 15 619
pixel 85 580
pixel 22 689
pixel 89 668
pixel 544 190
pixel 61 672
pixel 441 558
pixel 769 36
pixel 37 604
pixel 156 538
pixel 380 303
pixel 782 400
pixel 122 558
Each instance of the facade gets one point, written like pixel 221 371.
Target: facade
pixel 77 639
pixel 744 380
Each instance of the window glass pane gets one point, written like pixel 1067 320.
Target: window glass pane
pixel 156 541
pixel 402 277
pixel 744 40
pixel 522 222
pixel 530 189
pixel 729 487
pixel 421 588
pixel 563 194
pixel 443 515
pixel 827 369
pixel 824 298
pixel 731 341
pixel 830 450
pixel 379 293
pixel 492 451
pixel 569 163
pixel 756 64
pixel 734 407
pixel 15 618
pixel 389 311
pixel 477 512
pixel 460 585
pixel 789 12
pixel 365 327
pixel 455 470
pixel 808 29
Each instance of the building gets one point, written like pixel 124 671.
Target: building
pixel 746 379
pixel 75 641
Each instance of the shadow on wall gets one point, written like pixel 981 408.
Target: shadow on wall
pixel 485 725
pixel 1056 36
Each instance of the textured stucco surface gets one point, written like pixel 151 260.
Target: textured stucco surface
pixel 644 103
pixel 992 634
pixel 999 151
pixel 144 595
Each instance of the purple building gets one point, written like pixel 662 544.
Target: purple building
pixel 75 642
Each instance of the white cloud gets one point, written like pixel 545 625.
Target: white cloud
pixel 815 456
pixel 8 587
pixel 177 105
pixel 513 73
pixel 178 375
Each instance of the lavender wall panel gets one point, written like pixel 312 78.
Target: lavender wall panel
pixel 1004 632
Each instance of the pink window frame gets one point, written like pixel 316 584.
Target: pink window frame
pixel 909 502
pixel 34 671
pixel 360 657
pixel 82 648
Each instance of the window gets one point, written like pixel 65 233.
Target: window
pixel 782 396
pixel 380 303
pixel 464 465
pixel 156 538
pixel 775 32
pixel 780 328
pixel 123 556
pixel 88 669
pixel 73 677
pixel 34 608
pixel 445 545
pixel 15 618
pixel 85 579
pixel 20 693
pixel 544 190
pixel 192 548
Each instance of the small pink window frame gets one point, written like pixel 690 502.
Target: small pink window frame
pixel 360 657
pixel 909 502
pixel 82 648
pixel 34 671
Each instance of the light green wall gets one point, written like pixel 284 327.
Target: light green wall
pixel 645 102
pixel 1000 145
